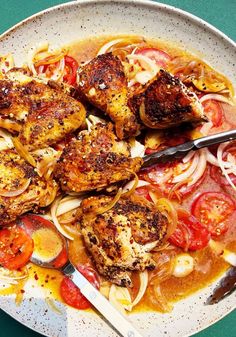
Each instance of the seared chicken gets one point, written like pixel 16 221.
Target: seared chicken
pixel 16 174
pixel 43 115
pixel 96 160
pixel 166 102
pixel 103 83
pixel 120 238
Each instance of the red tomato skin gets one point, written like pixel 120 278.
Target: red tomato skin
pixel 159 56
pixel 213 111
pixel 71 293
pixel 15 257
pixel 217 176
pixel 188 224
pixel 205 202
pixel 70 76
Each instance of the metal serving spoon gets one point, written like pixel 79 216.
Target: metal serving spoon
pixel 179 151
pixel 112 315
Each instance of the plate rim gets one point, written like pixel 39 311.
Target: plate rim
pixel 144 3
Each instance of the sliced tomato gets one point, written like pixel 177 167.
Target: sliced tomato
pixel 31 223
pixel 213 111
pixel 217 175
pixel 71 67
pixel 212 209
pixel 71 293
pixel 16 247
pixel 190 234
pixel 160 57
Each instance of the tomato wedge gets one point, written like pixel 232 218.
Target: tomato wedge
pixel 190 234
pixel 71 67
pixel 16 247
pixel 71 293
pixel 160 57
pixel 212 209
pixel 213 111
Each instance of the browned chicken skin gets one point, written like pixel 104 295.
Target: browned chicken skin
pixel 43 115
pixel 96 160
pixel 120 239
pixel 102 81
pixel 14 173
pixel 166 102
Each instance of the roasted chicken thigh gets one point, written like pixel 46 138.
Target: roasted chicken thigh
pixel 95 160
pixel 120 238
pixel 41 114
pixel 103 83
pixel 17 175
pixel 166 102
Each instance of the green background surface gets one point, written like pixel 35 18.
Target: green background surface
pixel 221 14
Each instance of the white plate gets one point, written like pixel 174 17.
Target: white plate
pixel 77 20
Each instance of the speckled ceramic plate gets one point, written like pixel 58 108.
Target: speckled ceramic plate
pixel 81 19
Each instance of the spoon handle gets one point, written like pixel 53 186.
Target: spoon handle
pixel 116 319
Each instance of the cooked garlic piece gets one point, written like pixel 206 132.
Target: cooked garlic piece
pixel 183 265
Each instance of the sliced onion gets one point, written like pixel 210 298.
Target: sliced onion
pixel 13 275
pixel 51 303
pixel 206 128
pixel 38 48
pixel 216 97
pixel 186 174
pixel 221 162
pixel 143 277
pixel 120 298
pixel 166 207
pixel 53 210
pixel 58 73
pixel 15 193
pixel 23 152
pixel 200 168
pixel 145 62
pixel 110 205
pixel 130 187
pixel 68 204
pixel 188 157
pixel 105 48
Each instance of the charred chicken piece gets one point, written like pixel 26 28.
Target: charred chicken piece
pixel 42 115
pixel 94 161
pixel 120 238
pixel 103 83
pixel 15 173
pixel 167 102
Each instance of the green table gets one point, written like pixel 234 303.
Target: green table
pixel 220 13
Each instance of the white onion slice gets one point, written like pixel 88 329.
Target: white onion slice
pixel 7 138
pixel 200 168
pixel 68 205
pixel 131 183
pixel 108 45
pixel 59 71
pixel 143 277
pixel 120 298
pixel 186 174
pixel 188 157
pixel 145 62
pixel 221 162
pixel 55 220
pixel 38 48
pixel 205 129
pixel 216 97
pixel 15 193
